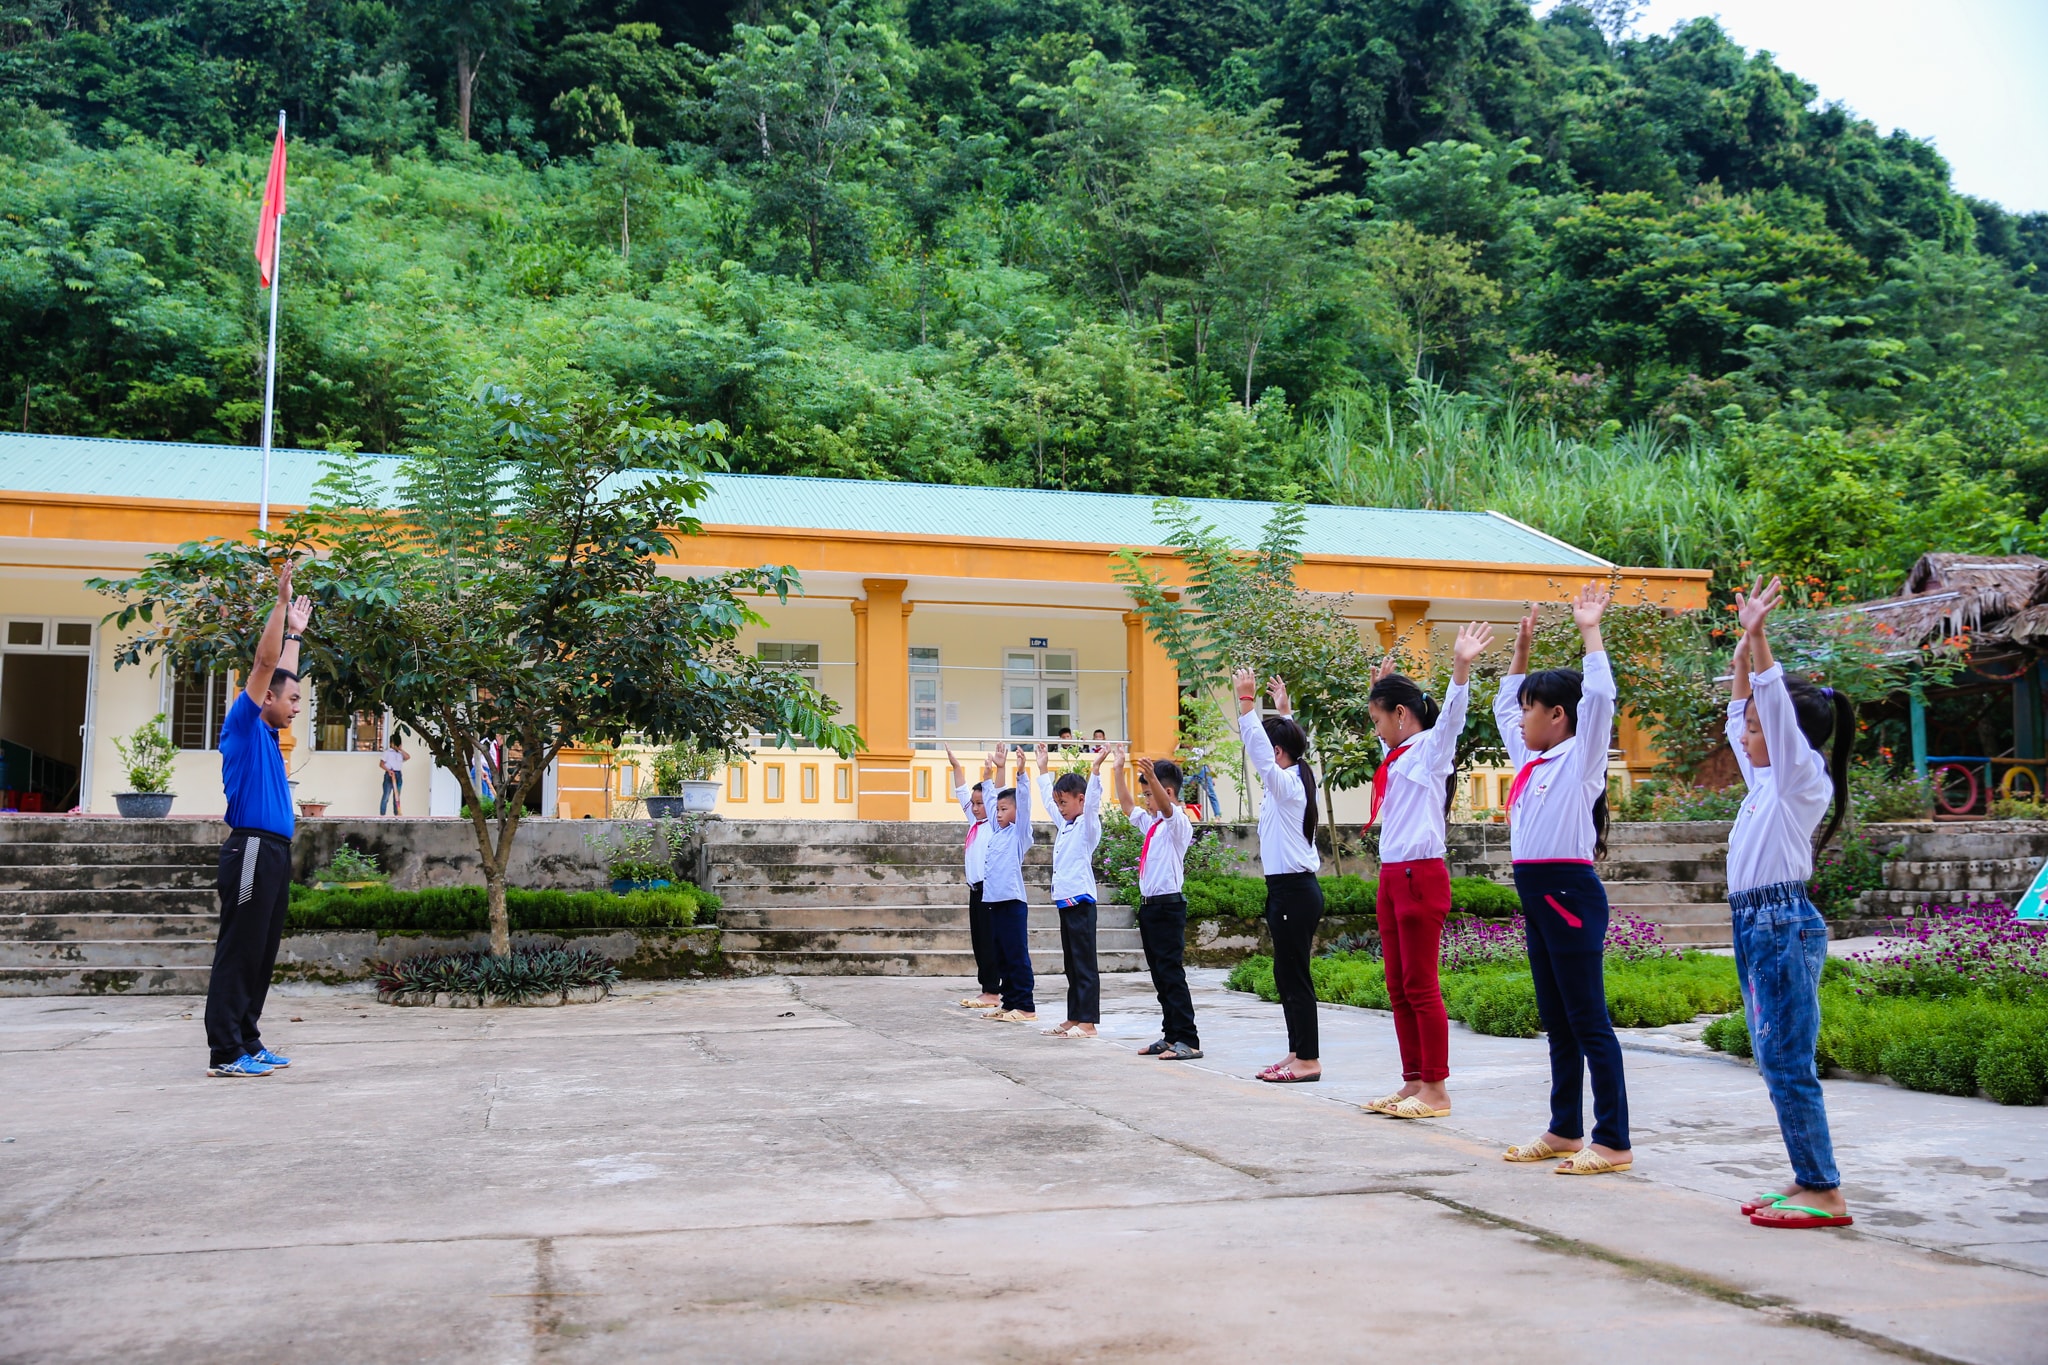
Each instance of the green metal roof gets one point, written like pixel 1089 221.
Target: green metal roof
pixel 213 473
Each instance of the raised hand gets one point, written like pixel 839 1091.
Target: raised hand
pixel 1278 691
pixel 1101 757
pixel 1755 607
pixel 1386 668
pixel 1590 605
pixel 1246 684
pixel 1474 639
pixel 1044 759
pixel 298 614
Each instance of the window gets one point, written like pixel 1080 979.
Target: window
pixel 199 703
pixel 771 782
pixel 842 782
pixel 337 732
pixel 924 696
pixel 798 658
pixel 807 788
pixel 25 634
pixel 1504 782
pixel 736 782
pixel 63 637
pixel 1478 789
pixel 921 784
pixel 1040 693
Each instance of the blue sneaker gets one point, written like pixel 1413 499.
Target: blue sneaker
pixel 241 1066
pixel 270 1059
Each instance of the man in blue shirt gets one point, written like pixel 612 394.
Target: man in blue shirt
pixel 256 861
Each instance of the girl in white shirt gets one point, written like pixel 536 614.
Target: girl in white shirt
pixel 1276 747
pixel 1411 796
pixel 1556 724
pixel 1777 725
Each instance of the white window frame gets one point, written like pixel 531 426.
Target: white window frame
pixel 926 668
pixel 210 734
pixel 813 670
pixel 1039 679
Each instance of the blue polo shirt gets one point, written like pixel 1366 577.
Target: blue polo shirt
pixel 252 771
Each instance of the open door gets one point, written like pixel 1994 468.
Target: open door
pixel 45 676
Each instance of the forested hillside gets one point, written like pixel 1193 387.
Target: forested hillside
pixel 1652 293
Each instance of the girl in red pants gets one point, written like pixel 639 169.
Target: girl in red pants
pixel 1411 796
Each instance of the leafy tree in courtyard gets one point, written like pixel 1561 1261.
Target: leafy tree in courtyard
pixel 499 589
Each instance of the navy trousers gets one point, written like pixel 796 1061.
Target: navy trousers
pixel 1008 923
pixel 1163 931
pixel 988 967
pixel 1565 909
pixel 1077 948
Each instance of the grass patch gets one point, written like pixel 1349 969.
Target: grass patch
pixel 1499 998
pixel 1346 897
pixel 466 909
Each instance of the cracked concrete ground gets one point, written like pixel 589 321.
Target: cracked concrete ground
pixel 833 1169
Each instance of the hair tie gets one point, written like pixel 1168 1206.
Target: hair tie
pixel 1828 692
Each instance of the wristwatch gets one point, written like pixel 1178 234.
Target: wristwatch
pixel 293 635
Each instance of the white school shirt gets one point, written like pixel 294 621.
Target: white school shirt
pixel 1552 819
pixel 1073 841
pixel 394 761
pixel 1002 872
pixel 1282 845
pixel 1162 858
pixel 976 839
pixel 1772 840
pixel 1412 811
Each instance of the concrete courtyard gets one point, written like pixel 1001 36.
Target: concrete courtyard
pixel 832 1169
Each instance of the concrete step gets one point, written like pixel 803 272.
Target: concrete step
pixel 1666 855
pixel 1681 912
pixel 1955 875
pixel 122 980
pixel 1699 935
pixel 952 916
pixel 1635 893
pixel 1889 901
pixel 100 855
pixel 156 952
pixel 1668 832
pixel 129 901
pixel 903 940
pixel 100 927
pixel 104 877
pixel 1992 839
pixel 942 872
pixel 772 898
pixel 933 963
pixel 94 829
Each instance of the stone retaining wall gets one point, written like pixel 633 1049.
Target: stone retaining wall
pixel 336 957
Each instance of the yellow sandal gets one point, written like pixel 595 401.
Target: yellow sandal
pixel 1539 1150
pixel 1383 1103
pixel 1586 1161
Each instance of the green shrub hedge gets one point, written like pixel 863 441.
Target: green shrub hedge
pixel 1500 999
pixel 465 909
pixel 1957 1045
pixel 1240 898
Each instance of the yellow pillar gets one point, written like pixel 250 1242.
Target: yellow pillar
pixel 1152 691
pixel 1411 628
pixel 881 705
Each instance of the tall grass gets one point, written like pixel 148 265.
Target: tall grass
pixel 1631 496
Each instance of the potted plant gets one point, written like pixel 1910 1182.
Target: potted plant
pixel 147 754
pixel 630 861
pixel 682 781
pixel 311 807
pixel 350 870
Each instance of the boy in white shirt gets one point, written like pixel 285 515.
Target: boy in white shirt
pixel 1075 807
pixel 1162 908
pixel 974 854
pixel 1002 887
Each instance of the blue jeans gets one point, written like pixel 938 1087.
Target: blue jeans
pixel 1781 944
pixel 1210 807
pixel 394 786
pixel 1564 910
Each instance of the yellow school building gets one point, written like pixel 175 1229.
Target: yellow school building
pixel 931 614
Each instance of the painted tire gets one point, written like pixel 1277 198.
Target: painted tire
pixel 2010 787
pixel 1941 788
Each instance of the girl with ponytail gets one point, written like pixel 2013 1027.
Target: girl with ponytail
pixel 1411 796
pixel 1277 750
pixel 1779 726
pixel 1556 725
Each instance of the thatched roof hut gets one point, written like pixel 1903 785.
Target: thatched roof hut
pixel 1990 599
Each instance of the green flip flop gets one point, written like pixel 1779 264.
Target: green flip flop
pixel 1813 1218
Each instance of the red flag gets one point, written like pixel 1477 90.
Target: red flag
pixel 273 210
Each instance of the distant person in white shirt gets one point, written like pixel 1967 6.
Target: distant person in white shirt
pixel 1411 797
pixel 1556 724
pixel 1074 808
pixel 393 761
pixel 1162 906
pixel 1277 750
pixel 974 854
pixel 1778 724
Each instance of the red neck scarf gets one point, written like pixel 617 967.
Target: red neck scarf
pixel 1522 779
pixel 973 830
pixel 1380 776
pixel 1146 847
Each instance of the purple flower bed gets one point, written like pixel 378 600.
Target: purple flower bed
pixel 1480 943
pixel 1954 949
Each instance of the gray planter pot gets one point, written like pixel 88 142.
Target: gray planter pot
pixel 695 798
pixel 144 805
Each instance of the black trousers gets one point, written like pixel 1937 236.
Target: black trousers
pixel 988 964
pixel 1564 911
pixel 1077 948
pixel 1010 924
pixel 255 887
pixel 1294 907
pixel 1163 930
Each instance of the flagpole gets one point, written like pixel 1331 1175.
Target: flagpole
pixel 270 363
